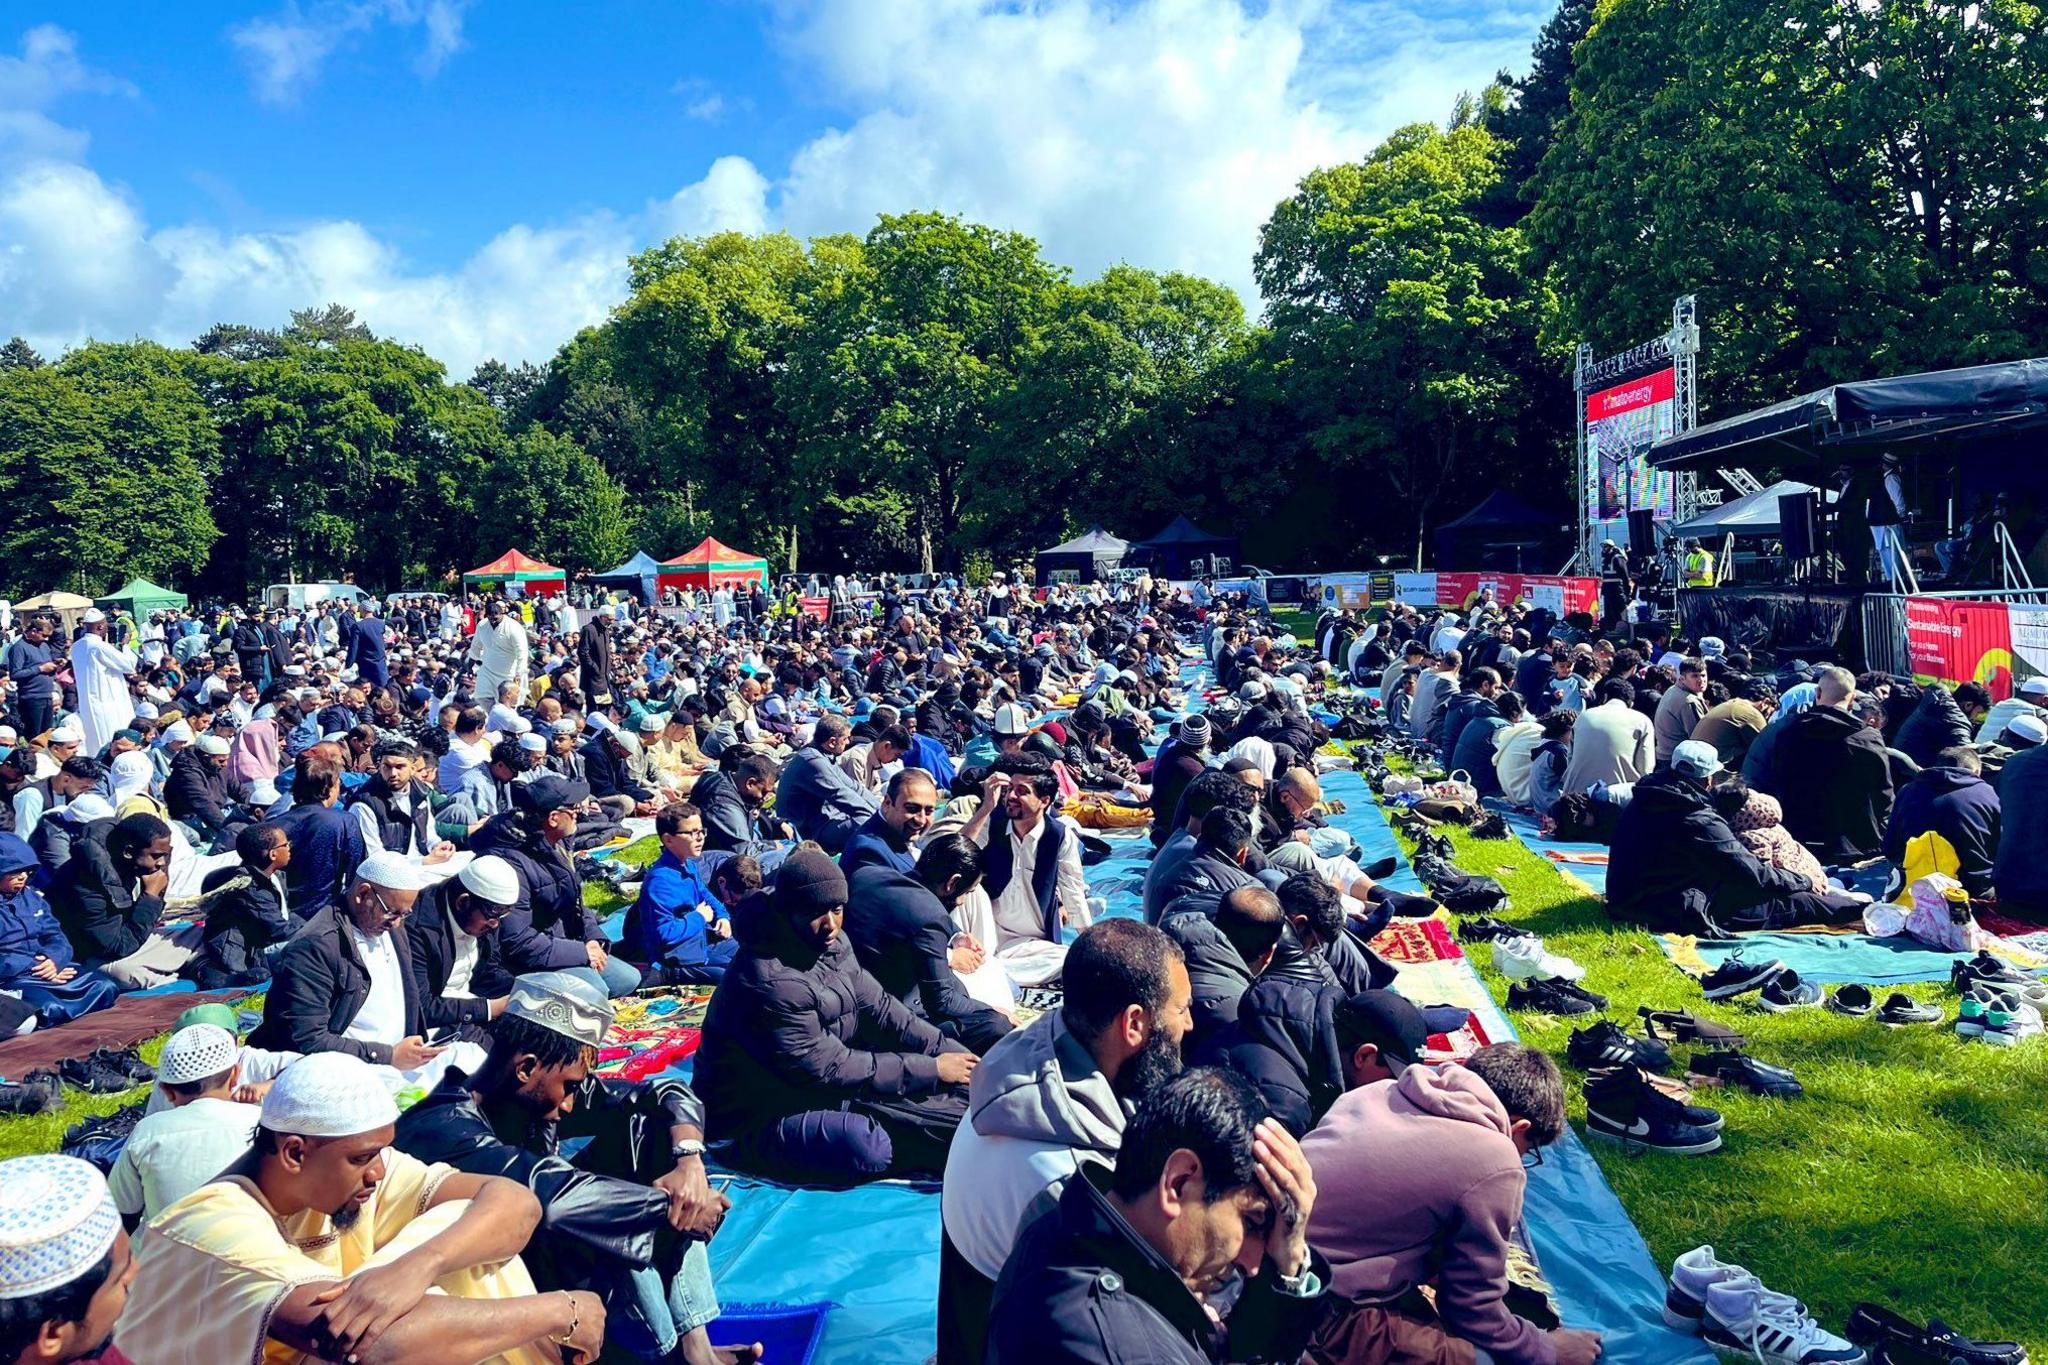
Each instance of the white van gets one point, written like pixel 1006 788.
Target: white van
pixel 297 596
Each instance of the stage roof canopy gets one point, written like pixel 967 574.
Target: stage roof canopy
pixel 1752 514
pixel 1849 422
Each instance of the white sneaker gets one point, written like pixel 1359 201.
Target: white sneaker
pixel 1401 784
pixel 1685 1294
pixel 1523 957
pixel 2025 1022
pixel 1772 1328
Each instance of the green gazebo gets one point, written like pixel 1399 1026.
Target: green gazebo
pixel 141 597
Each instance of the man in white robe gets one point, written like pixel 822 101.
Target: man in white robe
pixel 104 704
pixel 499 650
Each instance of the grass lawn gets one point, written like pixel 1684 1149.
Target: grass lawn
pixel 1914 1173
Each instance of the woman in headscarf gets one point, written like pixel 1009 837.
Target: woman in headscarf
pixel 254 755
pixel 1759 822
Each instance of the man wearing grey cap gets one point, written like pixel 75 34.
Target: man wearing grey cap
pixel 631 1213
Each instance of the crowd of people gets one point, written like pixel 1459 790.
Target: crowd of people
pixel 1219 1141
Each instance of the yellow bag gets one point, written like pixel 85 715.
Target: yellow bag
pixel 1098 812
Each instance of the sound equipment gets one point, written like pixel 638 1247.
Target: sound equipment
pixel 1799 524
pixel 1642 532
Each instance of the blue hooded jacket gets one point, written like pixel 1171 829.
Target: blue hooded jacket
pixel 28 927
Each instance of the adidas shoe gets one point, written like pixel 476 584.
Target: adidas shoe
pixel 1738 1068
pixel 1737 976
pixel 1788 991
pixel 1524 958
pixel 1771 1328
pixel 1685 1292
pixel 1606 1044
pixel 1623 1107
pixel 1546 996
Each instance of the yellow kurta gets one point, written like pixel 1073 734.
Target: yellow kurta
pixel 220 1262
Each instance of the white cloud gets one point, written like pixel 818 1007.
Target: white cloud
pixel 1159 132
pixel 286 51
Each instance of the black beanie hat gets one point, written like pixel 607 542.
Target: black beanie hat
pixel 808 884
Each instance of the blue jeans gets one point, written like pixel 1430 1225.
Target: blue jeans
pixel 653 1317
pixel 619 977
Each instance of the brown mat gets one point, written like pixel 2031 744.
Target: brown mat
pixel 131 1019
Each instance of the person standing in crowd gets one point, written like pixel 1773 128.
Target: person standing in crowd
pixel 32 667
pixel 105 704
pixel 500 649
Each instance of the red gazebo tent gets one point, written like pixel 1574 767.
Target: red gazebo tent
pixel 713 565
pixel 514 566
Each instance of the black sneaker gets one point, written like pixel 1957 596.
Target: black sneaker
pixel 1490 826
pixel 1485 929
pixel 1546 995
pixel 129 1063
pixel 1623 1107
pixel 1900 1008
pixel 1605 1044
pixel 1852 1000
pixel 1698 1115
pixel 1739 1068
pixel 1593 998
pixel 1983 967
pixel 1737 976
pixel 95 1075
pixel 1788 991
pixel 36 1093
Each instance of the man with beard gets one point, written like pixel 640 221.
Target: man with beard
pixel 322 1244
pixel 66 1266
pixel 632 1213
pixel 1050 1099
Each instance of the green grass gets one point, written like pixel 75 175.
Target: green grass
pixel 1914 1172
pixel 31 1133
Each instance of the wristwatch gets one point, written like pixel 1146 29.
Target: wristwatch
pixel 688 1147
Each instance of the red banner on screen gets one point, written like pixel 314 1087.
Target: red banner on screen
pixel 1660 387
pixel 1562 595
pixel 1955 641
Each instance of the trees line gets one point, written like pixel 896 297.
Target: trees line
pixel 1850 189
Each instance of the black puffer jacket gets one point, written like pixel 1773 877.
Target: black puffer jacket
pixel 1670 841
pixel 548 927
pixel 197 791
pixel 1832 776
pixel 1937 723
pixel 1285 1042
pixel 901 934
pixel 1218 973
pixel 787 1033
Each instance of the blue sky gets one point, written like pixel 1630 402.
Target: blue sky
pixel 471 174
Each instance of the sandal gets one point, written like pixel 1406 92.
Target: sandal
pixel 1679 1026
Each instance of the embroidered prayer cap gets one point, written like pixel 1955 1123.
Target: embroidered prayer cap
pixel 563 1004
pixel 196 1052
pixel 57 1221
pixel 326 1095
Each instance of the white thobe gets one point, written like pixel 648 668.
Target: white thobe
pixel 104 705
pixel 500 655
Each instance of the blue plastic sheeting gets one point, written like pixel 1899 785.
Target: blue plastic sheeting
pixel 1364 821
pixel 1839 957
pixel 872 1252
pixel 1528 829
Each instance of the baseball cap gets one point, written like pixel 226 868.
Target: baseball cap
pixel 1012 720
pixel 1387 1021
pixel 1695 758
pixel 549 793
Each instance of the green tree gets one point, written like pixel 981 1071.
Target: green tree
pixel 1768 157
pixel 19 355
pixel 547 496
pixel 906 357
pixel 1527 115
pixel 1408 325
pixel 103 463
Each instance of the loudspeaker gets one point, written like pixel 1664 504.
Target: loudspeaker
pixel 1642 532
pixel 1799 524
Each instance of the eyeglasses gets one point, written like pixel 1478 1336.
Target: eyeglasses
pixel 1532 1158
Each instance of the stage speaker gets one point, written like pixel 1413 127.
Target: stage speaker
pixel 1799 524
pixel 1642 532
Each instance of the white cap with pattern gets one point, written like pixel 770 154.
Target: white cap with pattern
pixel 57 1221
pixel 196 1052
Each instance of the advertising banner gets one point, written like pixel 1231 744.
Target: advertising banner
pixel 1957 641
pixel 1557 592
pixel 1622 422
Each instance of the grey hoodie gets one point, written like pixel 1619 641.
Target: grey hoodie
pixel 1037 1107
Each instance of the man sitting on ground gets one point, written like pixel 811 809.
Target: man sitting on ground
pixel 173 1152
pixel 1209 1197
pixel 35 957
pixel 1831 774
pixel 322 1243
pixel 1217 866
pixel 1421 1180
pixel 110 898
pixel 890 835
pixel 453 934
pixel 1032 868
pixel 249 917
pixel 1303 1045
pixel 549 928
pixel 1952 800
pixel 1681 709
pixel 808 1067
pixel 903 931
pixel 681 929
pixel 1228 944
pixel 631 1213
pixel 822 802
pixel 1050 1098
pixel 734 799
pixel 65 1280
pixel 396 812
pixel 1678 868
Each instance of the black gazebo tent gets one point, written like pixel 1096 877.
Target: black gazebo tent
pixel 1172 553
pixel 1502 532
pixel 1088 558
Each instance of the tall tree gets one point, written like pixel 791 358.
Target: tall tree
pixel 1851 189
pixel 1527 115
pixel 1408 324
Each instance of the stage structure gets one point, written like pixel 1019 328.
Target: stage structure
pixel 1627 403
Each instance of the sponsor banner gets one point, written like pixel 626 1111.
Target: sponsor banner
pixel 1557 592
pixel 820 607
pixel 1418 589
pixel 1954 641
pixel 1622 422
